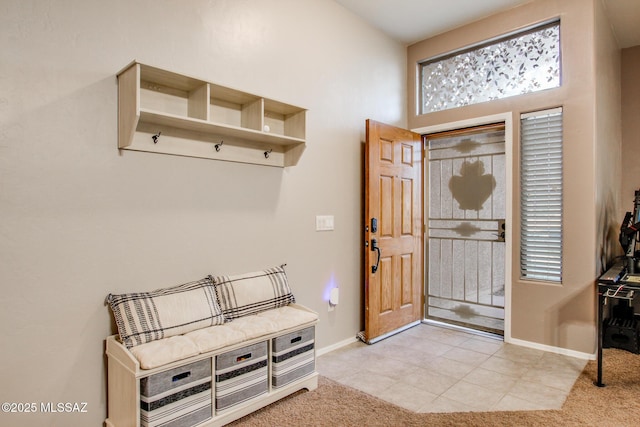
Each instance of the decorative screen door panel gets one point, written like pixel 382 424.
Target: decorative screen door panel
pixel 393 197
pixel 465 229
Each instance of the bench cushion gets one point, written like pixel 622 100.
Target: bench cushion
pixel 147 316
pixel 250 327
pixel 158 353
pixel 167 350
pixel 288 317
pixel 252 293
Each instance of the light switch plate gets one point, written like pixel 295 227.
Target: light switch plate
pixel 324 222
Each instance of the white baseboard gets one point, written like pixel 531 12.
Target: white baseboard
pixel 551 349
pixel 332 347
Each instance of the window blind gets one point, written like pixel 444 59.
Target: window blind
pixel 541 195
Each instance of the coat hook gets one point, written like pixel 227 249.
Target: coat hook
pixel 156 137
pixel 266 153
pixel 218 145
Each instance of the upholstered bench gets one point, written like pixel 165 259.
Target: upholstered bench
pixel 208 352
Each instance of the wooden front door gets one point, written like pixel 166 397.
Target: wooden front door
pixel 393 218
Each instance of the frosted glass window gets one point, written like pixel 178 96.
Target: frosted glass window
pixel 522 63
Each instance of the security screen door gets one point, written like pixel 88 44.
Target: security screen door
pixel 465 227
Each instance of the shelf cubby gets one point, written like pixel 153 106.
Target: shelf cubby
pixel 164 112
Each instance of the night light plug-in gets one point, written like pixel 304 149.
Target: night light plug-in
pixel 334 297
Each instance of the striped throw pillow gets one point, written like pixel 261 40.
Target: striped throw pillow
pixel 147 316
pixel 251 293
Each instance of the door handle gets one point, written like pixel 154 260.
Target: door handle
pixel 374 247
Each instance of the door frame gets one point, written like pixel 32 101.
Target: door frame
pixel 507 118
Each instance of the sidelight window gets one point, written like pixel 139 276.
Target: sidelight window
pixel 541 195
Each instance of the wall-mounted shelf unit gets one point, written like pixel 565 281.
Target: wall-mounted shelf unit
pixel 164 112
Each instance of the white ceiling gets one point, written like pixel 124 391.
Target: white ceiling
pixel 409 21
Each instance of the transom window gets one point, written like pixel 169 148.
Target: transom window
pixel 528 61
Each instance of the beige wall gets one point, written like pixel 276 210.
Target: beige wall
pixel 78 219
pixel 551 315
pixel 630 132
pixel 630 127
pixel 608 130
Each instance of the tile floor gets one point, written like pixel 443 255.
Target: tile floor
pixel 434 369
